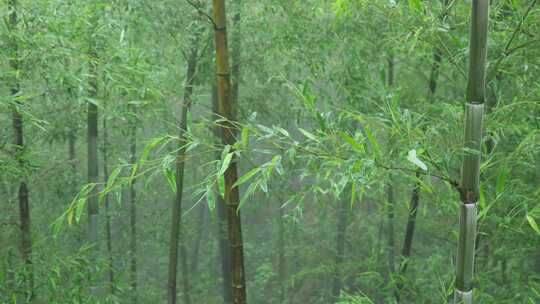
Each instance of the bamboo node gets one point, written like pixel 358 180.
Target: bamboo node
pixel 469 197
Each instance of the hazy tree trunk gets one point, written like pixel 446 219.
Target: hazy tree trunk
pixel 201 220
pixel 108 235
pixel 282 273
pixel 415 195
pixel 470 173
pixel 390 195
pixel 504 267
pixel 72 138
pixel 487 253
pixel 391 239
pixel 340 246
pixel 133 209
pixel 24 209
pixel 232 195
pixel 235 56
pixel 92 164
pixel 222 218
pixel 71 151
pixel 411 221
pixel 537 180
pixel 434 75
pixel 176 228
pixel 18 142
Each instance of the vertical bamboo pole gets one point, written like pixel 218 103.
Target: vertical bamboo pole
pixel 92 161
pixel 470 173
pixel 225 254
pixel 108 233
pixel 177 236
pixel 232 195
pixel 18 143
pixel 415 193
pixel 133 207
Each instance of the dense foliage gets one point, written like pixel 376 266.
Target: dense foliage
pixel 343 108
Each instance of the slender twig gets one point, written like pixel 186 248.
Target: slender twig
pixel 447 179
pixel 203 13
pixel 507 51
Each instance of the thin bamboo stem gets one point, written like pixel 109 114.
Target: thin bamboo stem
pixel 470 173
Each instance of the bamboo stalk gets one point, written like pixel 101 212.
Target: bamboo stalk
pixel 108 233
pixel 232 194
pixel 470 173
pixel 18 143
pixel 177 234
pixel 133 208
pixel 223 239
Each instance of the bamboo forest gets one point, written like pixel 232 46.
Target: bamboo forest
pixel 269 152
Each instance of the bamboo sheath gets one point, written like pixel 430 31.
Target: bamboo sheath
pixel 470 173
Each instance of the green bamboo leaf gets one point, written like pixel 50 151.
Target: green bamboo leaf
pixel 249 191
pixel 79 210
pixel 221 185
pixel 533 224
pixel 244 178
pixel 501 180
pixel 244 138
pixel 482 199
pixel 283 131
pixel 225 163
pixel 112 179
pixel 171 178
pixel 70 216
pixel 359 147
pixel 425 186
pixel 415 4
pixel 321 121
pixel 264 185
pixel 373 142
pixel 307 134
pixel 134 169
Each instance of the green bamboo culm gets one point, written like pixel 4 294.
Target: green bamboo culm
pixel 470 173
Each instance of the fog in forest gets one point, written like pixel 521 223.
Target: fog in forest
pixel 269 152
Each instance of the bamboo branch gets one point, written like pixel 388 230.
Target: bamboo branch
pixel 201 12
pixel 507 51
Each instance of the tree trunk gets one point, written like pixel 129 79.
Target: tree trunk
pixel 198 240
pixel 537 181
pixel 390 232
pixel 434 75
pixel 108 234
pixel 71 151
pixel 92 164
pixel 235 56
pixel 340 246
pixel 411 221
pixel 415 195
pixel 176 228
pixel 222 218
pixel 19 149
pixel 232 195
pixel 470 173
pixel 282 273
pixel 390 197
pixel 133 209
